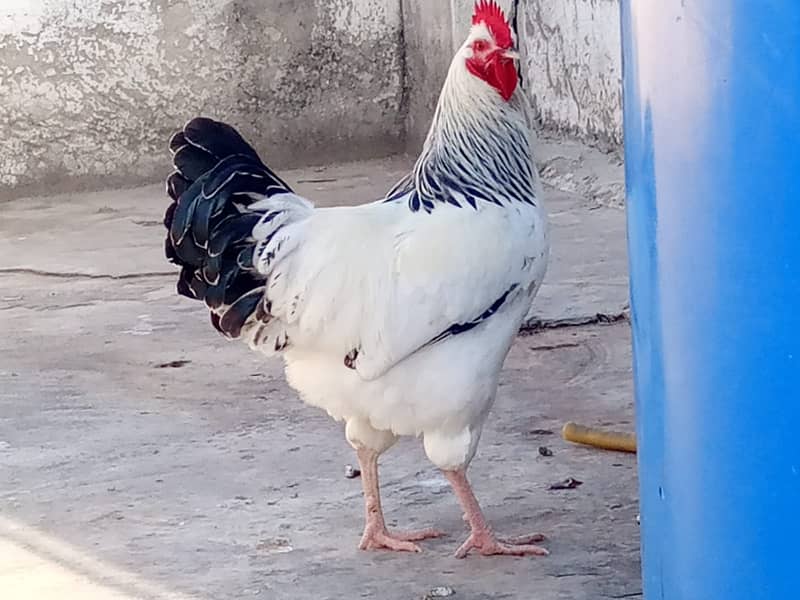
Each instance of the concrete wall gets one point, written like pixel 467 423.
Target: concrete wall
pixel 429 50
pixel 571 63
pixel 90 90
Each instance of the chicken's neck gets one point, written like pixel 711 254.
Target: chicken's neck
pixel 478 148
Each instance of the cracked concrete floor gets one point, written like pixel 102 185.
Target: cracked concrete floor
pixel 142 456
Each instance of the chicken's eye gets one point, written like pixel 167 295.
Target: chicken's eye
pixel 480 46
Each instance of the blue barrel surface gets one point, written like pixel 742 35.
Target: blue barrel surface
pixel 712 148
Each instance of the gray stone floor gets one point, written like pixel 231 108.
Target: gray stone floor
pixel 142 456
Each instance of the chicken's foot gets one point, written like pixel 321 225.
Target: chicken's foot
pixel 481 538
pixel 376 535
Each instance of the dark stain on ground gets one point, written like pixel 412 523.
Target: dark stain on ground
pixel 173 364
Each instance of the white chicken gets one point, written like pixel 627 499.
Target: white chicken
pixel 394 316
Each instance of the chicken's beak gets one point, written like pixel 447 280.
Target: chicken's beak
pixel 511 54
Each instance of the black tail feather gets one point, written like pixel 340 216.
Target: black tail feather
pixel 237 229
pixel 177 141
pixel 193 162
pixel 218 176
pixel 176 185
pixel 234 318
pixel 217 138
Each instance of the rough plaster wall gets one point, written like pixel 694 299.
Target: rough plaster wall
pixel 573 66
pixel 429 50
pixel 571 63
pixel 91 89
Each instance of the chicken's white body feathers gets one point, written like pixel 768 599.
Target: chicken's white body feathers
pixel 389 283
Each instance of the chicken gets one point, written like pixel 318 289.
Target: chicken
pixel 393 316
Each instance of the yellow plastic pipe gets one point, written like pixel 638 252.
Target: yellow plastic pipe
pixel 599 438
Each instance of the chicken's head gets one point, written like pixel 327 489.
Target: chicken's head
pixel 489 50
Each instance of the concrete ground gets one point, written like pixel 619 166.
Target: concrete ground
pixel 142 456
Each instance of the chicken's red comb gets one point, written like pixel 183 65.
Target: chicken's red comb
pixel 490 13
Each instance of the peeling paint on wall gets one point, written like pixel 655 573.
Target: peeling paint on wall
pixel 91 89
pixel 573 66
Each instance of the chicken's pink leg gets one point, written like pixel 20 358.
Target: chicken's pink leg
pixel 376 535
pixel 481 538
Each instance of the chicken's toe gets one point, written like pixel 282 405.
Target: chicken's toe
pixel 383 540
pixel 488 545
pixel 418 535
pixel 523 540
